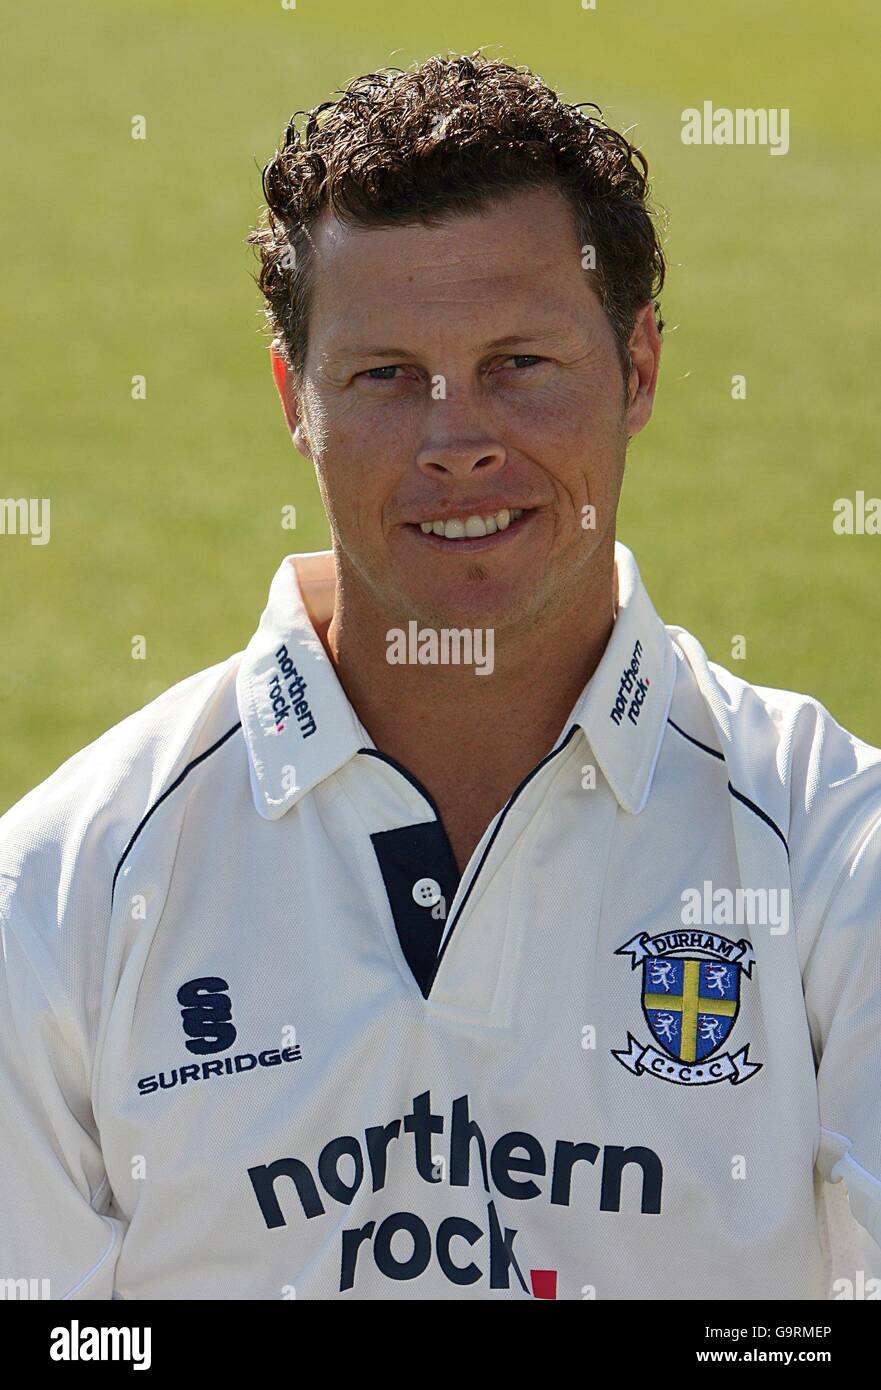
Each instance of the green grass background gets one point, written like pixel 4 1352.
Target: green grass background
pixel 123 257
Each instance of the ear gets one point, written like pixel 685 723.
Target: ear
pixel 644 347
pixel 290 402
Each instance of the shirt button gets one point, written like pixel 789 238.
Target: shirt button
pixel 426 892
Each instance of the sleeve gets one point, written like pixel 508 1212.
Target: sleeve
pixel 57 1239
pixel 843 997
pixel 60 1230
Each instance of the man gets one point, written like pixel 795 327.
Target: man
pixel 470 935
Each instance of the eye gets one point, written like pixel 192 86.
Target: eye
pixel 524 359
pixel 376 373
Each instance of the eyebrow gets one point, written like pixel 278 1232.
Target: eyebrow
pixel 367 350
pixel 511 339
pixel 358 350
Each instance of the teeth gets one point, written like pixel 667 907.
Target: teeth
pixel 458 528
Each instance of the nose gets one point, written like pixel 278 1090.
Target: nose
pixel 461 458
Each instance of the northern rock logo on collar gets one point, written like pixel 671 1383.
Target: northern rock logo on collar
pixel 287 695
pixel 691 991
pixel 632 690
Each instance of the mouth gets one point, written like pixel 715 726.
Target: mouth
pixel 472 531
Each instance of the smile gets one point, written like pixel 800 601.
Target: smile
pixel 457 528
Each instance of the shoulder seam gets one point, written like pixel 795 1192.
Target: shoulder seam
pixel 168 790
pixel 738 796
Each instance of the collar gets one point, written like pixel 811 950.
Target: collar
pixel 624 706
pixel 298 724
pixel 300 728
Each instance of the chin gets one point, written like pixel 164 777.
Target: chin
pixel 477 599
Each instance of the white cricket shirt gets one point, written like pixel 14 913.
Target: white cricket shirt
pixel 260 1041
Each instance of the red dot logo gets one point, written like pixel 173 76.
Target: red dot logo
pixel 544 1283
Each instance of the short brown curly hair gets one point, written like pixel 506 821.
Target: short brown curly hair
pixel 446 137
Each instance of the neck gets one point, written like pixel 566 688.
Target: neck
pixel 459 724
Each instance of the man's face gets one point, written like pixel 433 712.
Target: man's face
pixel 467 371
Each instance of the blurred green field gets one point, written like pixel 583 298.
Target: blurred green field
pixel 122 257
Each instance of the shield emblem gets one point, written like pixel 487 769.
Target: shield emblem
pixel 690 1003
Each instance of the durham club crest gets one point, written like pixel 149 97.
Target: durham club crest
pixel 691 989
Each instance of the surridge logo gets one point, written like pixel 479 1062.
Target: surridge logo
pixel 508 1168
pixel 206 1014
pixel 287 691
pixel 631 690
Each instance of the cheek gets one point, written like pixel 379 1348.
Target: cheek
pixel 368 430
pixel 578 439
pixel 359 467
pixel 572 434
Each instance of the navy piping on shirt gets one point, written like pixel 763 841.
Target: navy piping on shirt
pixel 375 753
pixel 506 808
pixel 399 767
pixel 739 796
pixel 176 783
pixel 415 783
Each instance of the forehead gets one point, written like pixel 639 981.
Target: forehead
pixel 521 252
